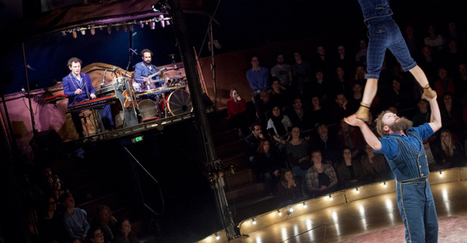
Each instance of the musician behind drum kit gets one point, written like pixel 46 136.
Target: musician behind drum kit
pixel 145 72
pixel 78 87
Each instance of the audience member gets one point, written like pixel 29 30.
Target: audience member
pixel 349 171
pixel 106 222
pixel 350 137
pixel 320 178
pixel 343 60
pixel 444 84
pixel 460 81
pixel 434 40
pixel 359 76
pixel 453 152
pixel 74 219
pixel 125 235
pixel 342 82
pixel 318 114
pixel 375 165
pixel 423 114
pixel 340 110
pixel 301 89
pixel 279 93
pixel 429 64
pixel 453 57
pixel 399 97
pixel 252 142
pixel 282 71
pixel 322 61
pixel 300 67
pixel 56 187
pixel 289 188
pixel 355 98
pixel 434 156
pixel 451 114
pixel 278 126
pixel 298 151
pixel 412 43
pixel 258 78
pixel 264 107
pixel 327 143
pixel 269 164
pixel 236 109
pixel 299 116
pixel 361 54
pixel 455 34
pixel 96 235
pixel 321 86
pixel 50 224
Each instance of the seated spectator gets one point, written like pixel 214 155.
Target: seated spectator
pixel 278 126
pixel 301 89
pixel 264 107
pixel 258 78
pixel 339 109
pixel 355 98
pixel 279 93
pixel 434 156
pixel 269 164
pixel 412 42
pixel 455 34
pixel 236 109
pixel 451 114
pixel 434 40
pixel 318 114
pixel 298 151
pixel 429 64
pixel 320 86
pixel 342 82
pixel 349 171
pixel 321 61
pixel 359 76
pixel 299 116
pixel 252 142
pixel 106 222
pixel 361 54
pixel 320 178
pixel 375 165
pixel 57 187
pixel 301 68
pixel 96 235
pixel 343 59
pixel 74 219
pixel 282 71
pixel 423 114
pixel 288 188
pixel 125 235
pixel 50 225
pixel 399 97
pixel 350 137
pixel 452 151
pixel 327 143
pixel 460 81
pixel 444 84
pixel 453 57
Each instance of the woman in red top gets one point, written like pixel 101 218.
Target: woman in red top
pixel 236 109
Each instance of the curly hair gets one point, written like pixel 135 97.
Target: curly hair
pixel 74 60
pixel 380 124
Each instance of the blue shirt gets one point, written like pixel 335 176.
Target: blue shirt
pixel 258 80
pixel 143 71
pixel 375 10
pixel 405 154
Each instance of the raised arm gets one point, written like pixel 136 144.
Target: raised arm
pixel 435 120
pixel 369 136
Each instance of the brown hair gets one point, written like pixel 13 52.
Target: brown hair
pixel 380 124
pixel 232 90
pixel 144 51
pixel 74 60
pixel 261 146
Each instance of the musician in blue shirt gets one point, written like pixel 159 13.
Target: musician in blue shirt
pixel 78 87
pixel 143 70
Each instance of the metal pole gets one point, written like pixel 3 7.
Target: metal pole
pixel 213 65
pixel 29 91
pixel 189 62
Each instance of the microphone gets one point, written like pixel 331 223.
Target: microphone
pixel 103 80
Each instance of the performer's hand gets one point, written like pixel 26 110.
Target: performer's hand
pixel 428 99
pixel 239 98
pixel 93 96
pixel 145 80
pixel 354 121
pixel 78 91
pixel 323 187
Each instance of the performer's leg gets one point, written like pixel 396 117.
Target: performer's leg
pixel 411 204
pixel 77 122
pixel 400 50
pixel 431 220
pixel 369 94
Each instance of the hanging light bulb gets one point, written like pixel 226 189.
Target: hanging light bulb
pixel 279 212
pixel 253 221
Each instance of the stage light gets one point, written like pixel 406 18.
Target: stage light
pixel 153 25
pixel 279 212
pixel 356 190
pixel 83 31
pixel 304 205
pixel 141 24
pixel 93 30
pixel 109 29
pixel 440 173
pixel 385 185
pixel 329 197
pixel 253 221
pixel 63 33
pixel 217 236
pixel 290 211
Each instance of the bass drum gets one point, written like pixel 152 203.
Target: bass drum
pixel 148 109
pixel 178 102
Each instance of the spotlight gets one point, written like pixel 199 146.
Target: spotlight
pixel 217 236
pixel 93 30
pixel 83 31
pixel 440 173
pixel 290 211
pixel 141 23
pixel 160 6
pixel 385 185
pixel 153 25
pixel 253 221
pixel 356 190
pixel 75 34
pixel 330 197
pixel 279 212
pixel 304 205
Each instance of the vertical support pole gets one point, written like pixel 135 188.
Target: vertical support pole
pixel 29 90
pixel 213 64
